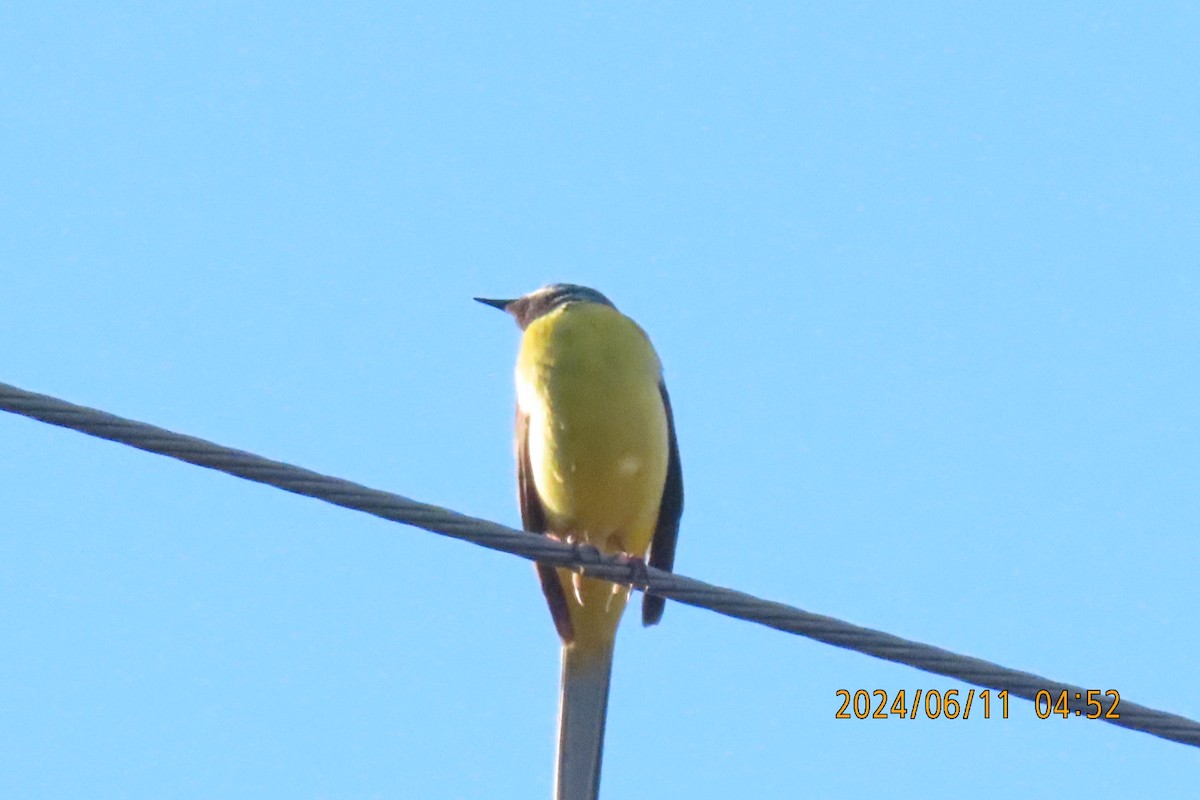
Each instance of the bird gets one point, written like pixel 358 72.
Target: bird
pixel 597 465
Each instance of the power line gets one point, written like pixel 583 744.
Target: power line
pixel 534 547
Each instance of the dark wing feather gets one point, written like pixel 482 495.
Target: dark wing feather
pixel 533 519
pixel 666 533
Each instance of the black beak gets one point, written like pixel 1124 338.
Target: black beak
pixel 500 304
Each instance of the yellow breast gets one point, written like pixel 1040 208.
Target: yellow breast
pixel 588 378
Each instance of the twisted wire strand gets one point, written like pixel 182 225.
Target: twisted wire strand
pixel 728 602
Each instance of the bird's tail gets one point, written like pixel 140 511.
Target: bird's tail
pixel 582 708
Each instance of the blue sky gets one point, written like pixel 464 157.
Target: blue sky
pixel 924 281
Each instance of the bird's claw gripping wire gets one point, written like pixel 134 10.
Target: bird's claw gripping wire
pixel 639 576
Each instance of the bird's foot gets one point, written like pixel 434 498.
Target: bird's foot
pixel 639 576
pixel 587 554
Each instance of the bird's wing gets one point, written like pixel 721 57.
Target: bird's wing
pixel 666 532
pixel 533 518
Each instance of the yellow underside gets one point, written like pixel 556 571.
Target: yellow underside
pixel 588 378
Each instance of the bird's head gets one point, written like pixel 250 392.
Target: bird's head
pixel 527 308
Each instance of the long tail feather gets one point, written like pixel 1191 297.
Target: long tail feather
pixel 582 709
